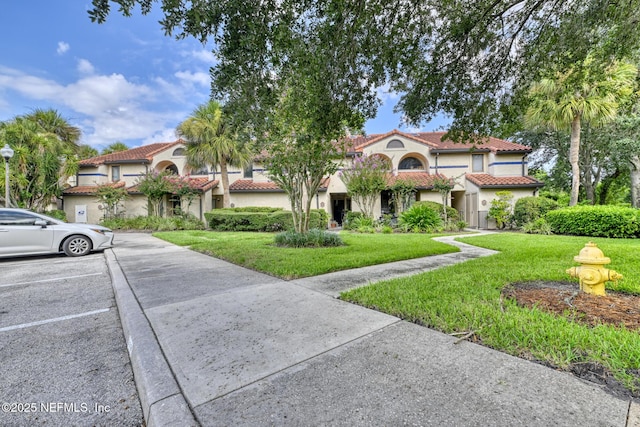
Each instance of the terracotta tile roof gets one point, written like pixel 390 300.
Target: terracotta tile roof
pixel 249 186
pixel 143 154
pixel 203 184
pixel 422 180
pixel 435 144
pixel 89 189
pixel 484 180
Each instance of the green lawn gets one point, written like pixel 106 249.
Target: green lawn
pixel 256 251
pixel 466 297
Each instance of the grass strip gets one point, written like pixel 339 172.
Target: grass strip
pixel 466 297
pixel 258 252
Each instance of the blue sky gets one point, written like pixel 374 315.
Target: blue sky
pixel 119 81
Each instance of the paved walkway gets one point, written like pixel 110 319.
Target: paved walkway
pixel 214 344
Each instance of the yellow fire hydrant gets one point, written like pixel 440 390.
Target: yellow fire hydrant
pixel 591 272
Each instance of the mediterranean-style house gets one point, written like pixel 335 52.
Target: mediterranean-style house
pixel 479 172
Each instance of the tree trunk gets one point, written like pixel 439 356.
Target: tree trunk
pixel 574 151
pixel 606 185
pixel 224 175
pixel 635 181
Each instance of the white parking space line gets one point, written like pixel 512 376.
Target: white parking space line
pixel 50 280
pixel 57 319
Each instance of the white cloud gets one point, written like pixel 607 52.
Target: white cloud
pixel 110 107
pixel 204 55
pixel 62 48
pixel 85 67
pixel 199 78
pixel 386 94
pixel 165 135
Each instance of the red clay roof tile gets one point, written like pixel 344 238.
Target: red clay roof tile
pixel 143 154
pixel 434 141
pixel 90 189
pixel 421 180
pixel 484 180
pixel 248 185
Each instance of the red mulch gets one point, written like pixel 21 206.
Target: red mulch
pixel 565 299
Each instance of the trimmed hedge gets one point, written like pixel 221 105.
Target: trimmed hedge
pixel 528 209
pixel 595 221
pixel 269 219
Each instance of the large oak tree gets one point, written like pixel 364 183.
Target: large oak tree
pixel 474 60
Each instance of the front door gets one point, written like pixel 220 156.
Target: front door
pixel 471 209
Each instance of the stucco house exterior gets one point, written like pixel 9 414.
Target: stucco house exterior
pixel 479 172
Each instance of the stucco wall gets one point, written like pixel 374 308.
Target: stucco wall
pixel 506 165
pixel 266 199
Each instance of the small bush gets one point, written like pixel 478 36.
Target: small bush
pixel 596 221
pixel 501 208
pixel 528 209
pixel 452 214
pixel 537 226
pixel 314 238
pixel 361 222
pixel 420 218
pixel 350 218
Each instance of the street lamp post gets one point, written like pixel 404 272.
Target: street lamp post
pixel 7 153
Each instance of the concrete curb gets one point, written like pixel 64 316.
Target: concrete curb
pixel 633 418
pixel 163 403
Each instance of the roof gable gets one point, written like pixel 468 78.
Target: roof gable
pixel 433 140
pixel 143 154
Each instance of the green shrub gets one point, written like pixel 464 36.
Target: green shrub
pixel 263 209
pixel 350 218
pixel 461 225
pixel 250 220
pixel 361 222
pixel 314 238
pixel 537 226
pixel 596 221
pixel 528 209
pixel 501 208
pixel 386 229
pixel 154 223
pixel 420 218
pixel 452 214
pixel 57 214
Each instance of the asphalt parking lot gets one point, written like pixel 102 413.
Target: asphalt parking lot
pixel 63 355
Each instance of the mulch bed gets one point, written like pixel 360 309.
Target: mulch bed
pixel 565 299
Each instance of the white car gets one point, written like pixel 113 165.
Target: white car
pixel 23 232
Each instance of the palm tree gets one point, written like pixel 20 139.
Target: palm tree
pixel 45 146
pixel 211 142
pixel 584 93
pixel 115 147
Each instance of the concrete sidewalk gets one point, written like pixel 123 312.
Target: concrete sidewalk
pixel 214 344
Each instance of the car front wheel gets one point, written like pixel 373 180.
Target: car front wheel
pixel 77 246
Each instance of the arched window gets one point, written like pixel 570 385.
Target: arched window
pixel 395 143
pixel 178 152
pixel 173 169
pixel 410 163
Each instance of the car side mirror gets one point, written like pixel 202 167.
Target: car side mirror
pixel 41 222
